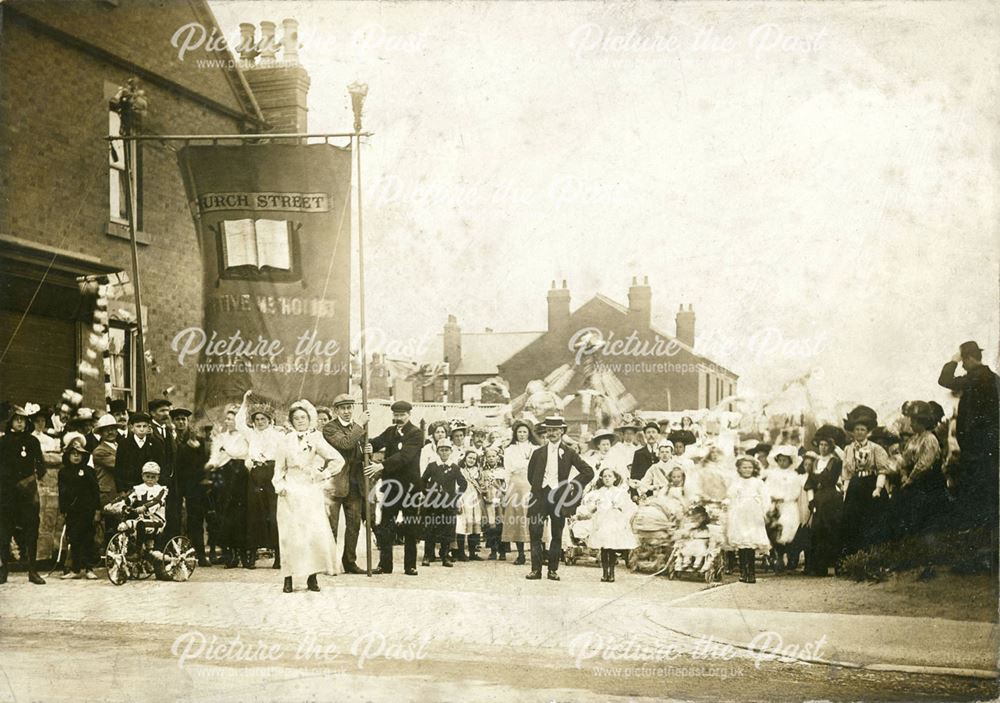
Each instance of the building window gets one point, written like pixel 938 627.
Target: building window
pixel 258 249
pixel 118 179
pixel 471 392
pixel 428 394
pixel 122 356
pixel 708 390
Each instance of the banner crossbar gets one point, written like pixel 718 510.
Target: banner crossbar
pixel 242 137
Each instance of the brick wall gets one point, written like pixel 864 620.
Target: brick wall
pixel 53 117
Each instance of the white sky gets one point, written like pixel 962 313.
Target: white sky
pixel 841 194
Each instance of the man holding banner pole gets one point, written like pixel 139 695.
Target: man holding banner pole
pixel 348 488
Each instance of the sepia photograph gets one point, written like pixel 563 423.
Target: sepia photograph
pixel 482 350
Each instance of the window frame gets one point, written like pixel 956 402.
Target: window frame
pixel 128 391
pixel 118 170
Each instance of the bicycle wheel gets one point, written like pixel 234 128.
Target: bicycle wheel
pixel 179 560
pixel 116 559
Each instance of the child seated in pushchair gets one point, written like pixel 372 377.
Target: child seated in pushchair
pixel 144 510
pixel 693 546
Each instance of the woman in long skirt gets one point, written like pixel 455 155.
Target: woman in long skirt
pixel 518 493
pixel 826 504
pixel 263 441
pixel 866 468
pixel 304 462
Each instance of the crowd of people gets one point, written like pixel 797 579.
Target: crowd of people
pixel 281 484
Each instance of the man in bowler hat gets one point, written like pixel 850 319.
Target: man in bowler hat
pixel 399 470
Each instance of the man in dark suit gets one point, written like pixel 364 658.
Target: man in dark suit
pixel 347 489
pixel 555 494
pixel 189 483
pixel 399 468
pixel 138 447
pixel 645 456
pixel 976 428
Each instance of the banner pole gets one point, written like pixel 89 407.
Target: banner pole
pixel 358 92
pixel 364 359
pixel 130 213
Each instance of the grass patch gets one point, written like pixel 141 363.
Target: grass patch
pixel 963 552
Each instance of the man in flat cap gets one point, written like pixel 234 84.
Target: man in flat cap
pixel 399 469
pixel 346 490
pixel 977 432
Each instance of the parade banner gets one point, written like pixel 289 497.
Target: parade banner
pixel 274 228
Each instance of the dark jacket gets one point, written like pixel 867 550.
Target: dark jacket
pixel 443 485
pixel 978 422
pixel 347 440
pixel 169 445
pixel 20 457
pixel 78 490
pixel 568 493
pixel 641 461
pixel 129 459
pixel 402 447
pixel 189 462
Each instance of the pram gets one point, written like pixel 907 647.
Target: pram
pixel 578 529
pixel 131 553
pixel 698 546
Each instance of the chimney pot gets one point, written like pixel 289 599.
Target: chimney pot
pixel 290 40
pixel 247 48
pixel 634 281
pixel 564 283
pixel 268 48
pixel 645 280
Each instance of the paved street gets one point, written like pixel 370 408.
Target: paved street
pixel 476 632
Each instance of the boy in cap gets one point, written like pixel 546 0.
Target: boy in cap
pixel 443 484
pixel 149 501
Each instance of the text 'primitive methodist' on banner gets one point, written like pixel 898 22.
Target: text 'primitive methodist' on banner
pixel 274 227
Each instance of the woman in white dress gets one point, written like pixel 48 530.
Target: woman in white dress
pixel 785 487
pixel 303 464
pixel 516 497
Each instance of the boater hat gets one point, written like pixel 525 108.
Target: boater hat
pixel 604 434
pixel 553 422
pixel 106 420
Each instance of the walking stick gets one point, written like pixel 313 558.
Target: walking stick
pixel 62 539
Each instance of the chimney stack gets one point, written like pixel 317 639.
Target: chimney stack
pixel 685 325
pixel 558 306
pixel 281 87
pixel 640 304
pixel 452 343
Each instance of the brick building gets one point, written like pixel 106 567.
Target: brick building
pixel 660 371
pixel 62 212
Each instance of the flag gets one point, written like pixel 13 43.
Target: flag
pixel 273 224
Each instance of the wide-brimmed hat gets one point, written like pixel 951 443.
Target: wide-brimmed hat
pixel 830 433
pixel 629 422
pixel 606 433
pixel 883 437
pixel 785 450
pixel 685 437
pixel 553 422
pixel 106 420
pixel 861 415
pixel 75 447
pixel 920 410
pixel 757 448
